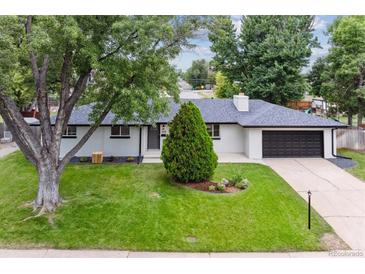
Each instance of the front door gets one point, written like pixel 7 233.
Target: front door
pixel 153 137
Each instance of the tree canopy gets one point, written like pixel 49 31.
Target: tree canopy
pixel 339 76
pixel 199 74
pixel 224 88
pixel 267 56
pixel 118 63
pixel 187 152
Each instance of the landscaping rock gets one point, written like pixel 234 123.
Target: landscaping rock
pixel 155 195
pixel 225 182
pixel 191 239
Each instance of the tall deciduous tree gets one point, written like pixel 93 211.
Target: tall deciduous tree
pixel 197 74
pixel 267 56
pixel 224 88
pixel 222 34
pixel 121 63
pixel 339 77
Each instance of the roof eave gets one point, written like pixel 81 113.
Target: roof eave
pixel 294 126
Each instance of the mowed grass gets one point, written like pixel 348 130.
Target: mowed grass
pixel 111 207
pixel 359 157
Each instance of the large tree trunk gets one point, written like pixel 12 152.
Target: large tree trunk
pixel 361 100
pixel 48 197
pixel 349 118
pixel 360 117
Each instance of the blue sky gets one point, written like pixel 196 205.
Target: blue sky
pixel 202 49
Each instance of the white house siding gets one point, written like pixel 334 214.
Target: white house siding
pixel 327 139
pixel 95 142
pixel 234 139
pixel 121 146
pixel 255 140
pixel 101 141
pixel 254 143
pixel 144 139
pixel 231 139
pixel 246 141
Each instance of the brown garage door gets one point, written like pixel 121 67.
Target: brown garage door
pixel 281 144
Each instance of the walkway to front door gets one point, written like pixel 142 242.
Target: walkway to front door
pixel 153 156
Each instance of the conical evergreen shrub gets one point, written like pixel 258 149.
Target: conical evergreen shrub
pixel 187 151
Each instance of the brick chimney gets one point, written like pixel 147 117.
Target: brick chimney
pixel 241 102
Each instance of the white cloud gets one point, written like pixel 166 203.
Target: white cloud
pixel 319 24
pixel 236 20
pixel 201 51
pixel 319 52
pixel 201 34
pixel 187 56
pixel 316 53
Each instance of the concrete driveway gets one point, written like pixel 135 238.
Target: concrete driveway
pixel 336 195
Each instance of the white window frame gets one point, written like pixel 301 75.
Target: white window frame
pixel 213 131
pixel 67 134
pixel 120 135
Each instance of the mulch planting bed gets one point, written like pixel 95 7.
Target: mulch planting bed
pixel 204 186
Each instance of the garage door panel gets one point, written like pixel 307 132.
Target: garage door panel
pixel 292 143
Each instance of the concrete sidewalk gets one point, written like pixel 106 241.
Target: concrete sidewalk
pixel 154 157
pixel 8 148
pixel 56 253
pixel 337 196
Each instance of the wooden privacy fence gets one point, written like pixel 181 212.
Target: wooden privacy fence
pixel 351 138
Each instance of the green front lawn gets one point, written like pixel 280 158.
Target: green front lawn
pixel 359 157
pixel 114 207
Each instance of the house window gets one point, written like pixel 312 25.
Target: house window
pixel 120 132
pixel 164 130
pixel 213 130
pixel 70 132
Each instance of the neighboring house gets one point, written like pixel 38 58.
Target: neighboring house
pixel 6 136
pixel 315 105
pixel 253 127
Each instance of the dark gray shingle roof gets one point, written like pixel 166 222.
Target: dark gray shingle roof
pixel 260 114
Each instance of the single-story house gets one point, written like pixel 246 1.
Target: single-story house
pixel 255 128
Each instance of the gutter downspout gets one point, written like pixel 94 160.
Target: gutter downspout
pixel 333 150
pixel 140 145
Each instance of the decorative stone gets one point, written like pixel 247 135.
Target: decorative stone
pixel 225 182
pixel 191 239
pixel 155 195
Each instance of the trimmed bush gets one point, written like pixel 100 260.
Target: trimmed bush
pixel 212 188
pixel 236 178
pixel 221 187
pixel 187 151
pixel 242 185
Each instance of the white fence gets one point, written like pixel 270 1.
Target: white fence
pixel 351 138
pixel 5 134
